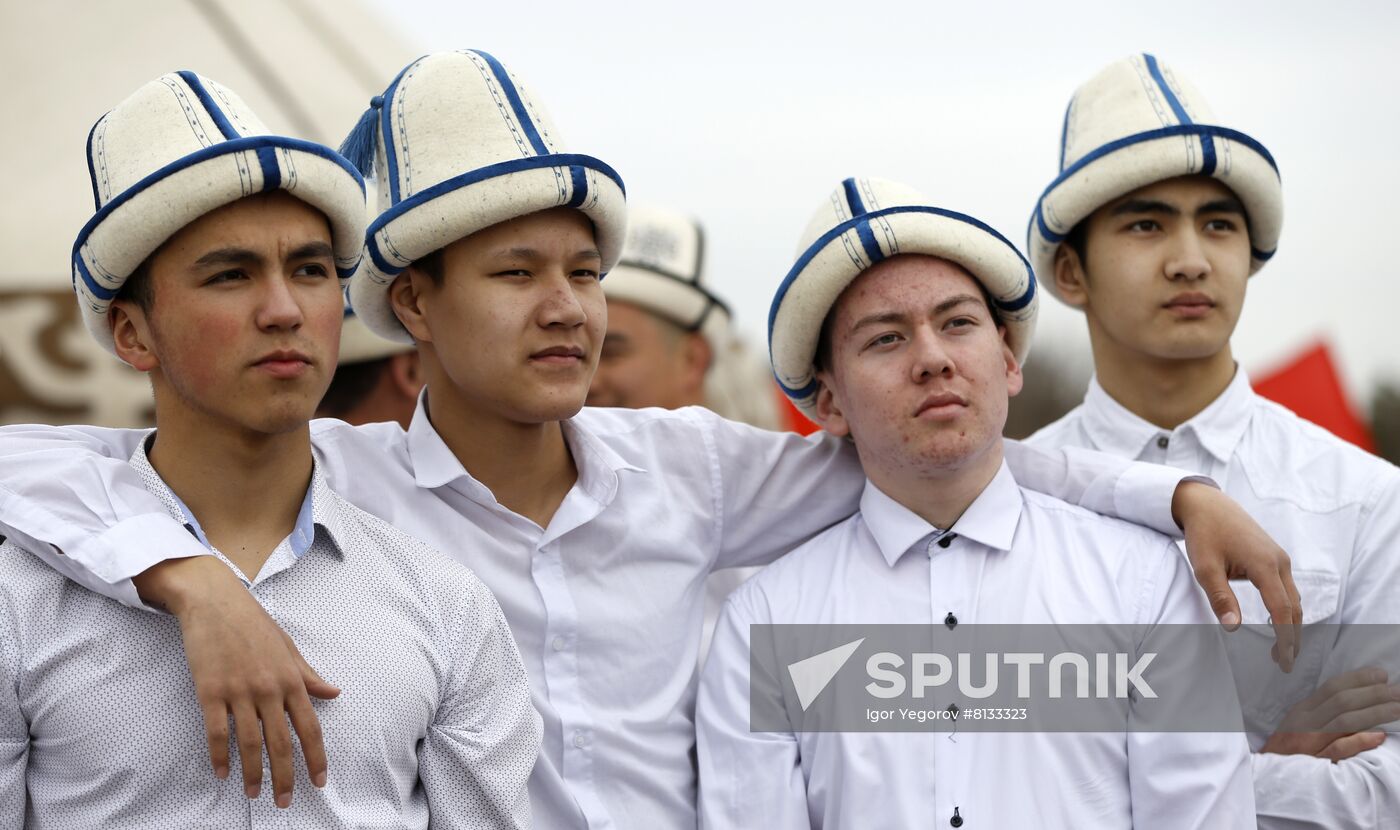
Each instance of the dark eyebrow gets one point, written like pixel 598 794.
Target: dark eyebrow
pixel 876 319
pixel 1144 206
pixel 898 317
pixel 953 302
pixel 229 256
pixel 1227 204
pixel 531 253
pixel 312 250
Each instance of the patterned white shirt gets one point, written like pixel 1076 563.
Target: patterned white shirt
pixel 1014 556
pixel 100 727
pixel 1336 510
pixel 605 603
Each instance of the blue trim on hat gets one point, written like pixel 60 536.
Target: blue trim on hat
pixel 853 199
pixel 98 291
pixel 203 154
pixel 1064 130
pixel 863 230
pixel 92 168
pixel 580 178
pixel 1207 144
pixel 272 175
pixel 491 171
pixel 825 239
pixel 517 105
pixel 196 86
pixel 1127 141
pixel 1262 256
pixel 386 128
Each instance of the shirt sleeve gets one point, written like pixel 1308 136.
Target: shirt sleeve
pixel 747 779
pixel 14 728
pixel 1359 792
pixel 1179 779
pixel 1134 491
pixel 69 495
pixel 476 760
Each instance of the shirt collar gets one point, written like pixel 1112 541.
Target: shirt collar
pixel 990 520
pixel 435 465
pixel 318 506
pixel 1219 427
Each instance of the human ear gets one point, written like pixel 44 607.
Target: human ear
pixel 131 335
pixel 829 414
pixel 406 297
pixel 1071 283
pixel 1014 379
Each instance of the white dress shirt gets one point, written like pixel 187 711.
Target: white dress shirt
pixel 1014 556
pixel 100 726
pixel 1336 510
pixel 605 602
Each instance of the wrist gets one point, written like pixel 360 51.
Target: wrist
pixel 1189 497
pixel 176 585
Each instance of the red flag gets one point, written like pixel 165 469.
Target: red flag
pixel 1310 386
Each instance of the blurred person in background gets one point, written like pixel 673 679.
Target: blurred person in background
pixel 375 379
pixel 1152 228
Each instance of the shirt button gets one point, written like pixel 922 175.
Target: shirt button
pixel 1162 441
pixel 579 740
pixel 950 621
pixel 956 820
pixel 946 540
pixel 559 643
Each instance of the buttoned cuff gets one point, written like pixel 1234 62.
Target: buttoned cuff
pixel 1145 492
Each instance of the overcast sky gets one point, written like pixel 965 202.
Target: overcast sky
pixel 748 114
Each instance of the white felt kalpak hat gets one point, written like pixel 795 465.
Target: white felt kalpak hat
pixel 458 145
pixel 179 147
pixel 868 220
pixel 1137 123
pixel 661 271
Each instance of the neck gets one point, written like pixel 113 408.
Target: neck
pixel 1164 392
pixel 245 488
pixel 526 466
pixel 942 495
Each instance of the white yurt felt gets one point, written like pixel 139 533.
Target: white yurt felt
pixel 662 272
pixel 1136 123
pixel 458 144
pixel 863 222
pixel 182 146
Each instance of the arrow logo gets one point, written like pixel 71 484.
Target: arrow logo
pixel 812 675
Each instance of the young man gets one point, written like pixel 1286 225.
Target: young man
pixel 912 352
pixel 1153 228
pixel 669 341
pixel 595 529
pixel 212 265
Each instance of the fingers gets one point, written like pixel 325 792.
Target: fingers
pixel 1350 746
pixel 1214 582
pixel 279 748
pixel 315 685
pixel 1355 679
pixel 1280 605
pixel 249 736
pixel 1363 717
pixel 216 730
pixel 308 729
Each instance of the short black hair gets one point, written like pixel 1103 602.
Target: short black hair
pixel 349 385
pixel 431 264
pixel 822 359
pixel 139 288
pixel 1078 241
